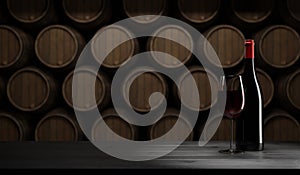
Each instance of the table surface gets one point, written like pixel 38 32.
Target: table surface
pixel 83 155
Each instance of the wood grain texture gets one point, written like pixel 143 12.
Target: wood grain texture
pixel 87 14
pixel 224 130
pixel 228 43
pixel 32 90
pixel 32 13
pixel 289 11
pixel 143 87
pixel 58 46
pixel 56 126
pixel 84 98
pixel 218 127
pixel 277 158
pixel 16 47
pixel 252 11
pixel 28 10
pixel 205 89
pixel 117 125
pixel 287 91
pixel 119 44
pixel 294 9
pixel 278 46
pixel 134 8
pixel 199 11
pixel 13 127
pixel 173 40
pixel 167 122
pixel 281 126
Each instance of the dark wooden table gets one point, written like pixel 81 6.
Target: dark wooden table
pixel 189 156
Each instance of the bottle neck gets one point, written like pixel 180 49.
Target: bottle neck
pixel 249 49
pixel 249 66
pixel 249 57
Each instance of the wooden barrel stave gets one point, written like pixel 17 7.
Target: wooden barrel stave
pixel 199 13
pixel 205 90
pixel 58 125
pixel 65 44
pixel 289 12
pixel 228 43
pixel 87 15
pixel 167 122
pixel 31 90
pixel 117 43
pixel 13 127
pixel 278 47
pixel 172 40
pixel 83 100
pixel 135 8
pixel 217 127
pixel 142 88
pixel 280 126
pixel 249 15
pixel 287 91
pixel 33 13
pixel 16 48
pixel 117 125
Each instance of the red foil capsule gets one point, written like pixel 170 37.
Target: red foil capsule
pixel 249 50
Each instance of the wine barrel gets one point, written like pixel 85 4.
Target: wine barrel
pixel 278 47
pixel 117 42
pixel 199 12
pixel 83 101
pixel 287 91
pixel 87 14
pixel 172 40
pixel 59 46
pixel 31 90
pixel 289 11
pixel 228 43
pixel 223 131
pixel 32 13
pixel 142 88
pixel 13 127
pixel 281 126
pixel 218 127
pixel 165 124
pixel 116 123
pixel 205 89
pixel 267 86
pixel 16 47
pixel 56 126
pixel 145 8
pixel 250 14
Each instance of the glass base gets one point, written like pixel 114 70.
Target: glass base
pixel 231 151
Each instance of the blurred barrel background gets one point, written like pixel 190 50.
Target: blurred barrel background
pixel 41 40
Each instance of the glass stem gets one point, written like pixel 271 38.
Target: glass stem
pixel 231 136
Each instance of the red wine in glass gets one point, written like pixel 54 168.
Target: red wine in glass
pixel 234 104
pixel 235 100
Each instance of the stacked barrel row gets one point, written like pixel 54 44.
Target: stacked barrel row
pixel 41 40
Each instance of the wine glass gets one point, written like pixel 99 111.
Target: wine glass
pixel 235 101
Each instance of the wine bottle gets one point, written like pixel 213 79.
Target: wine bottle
pixel 249 126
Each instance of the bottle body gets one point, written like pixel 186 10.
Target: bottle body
pixel 249 126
